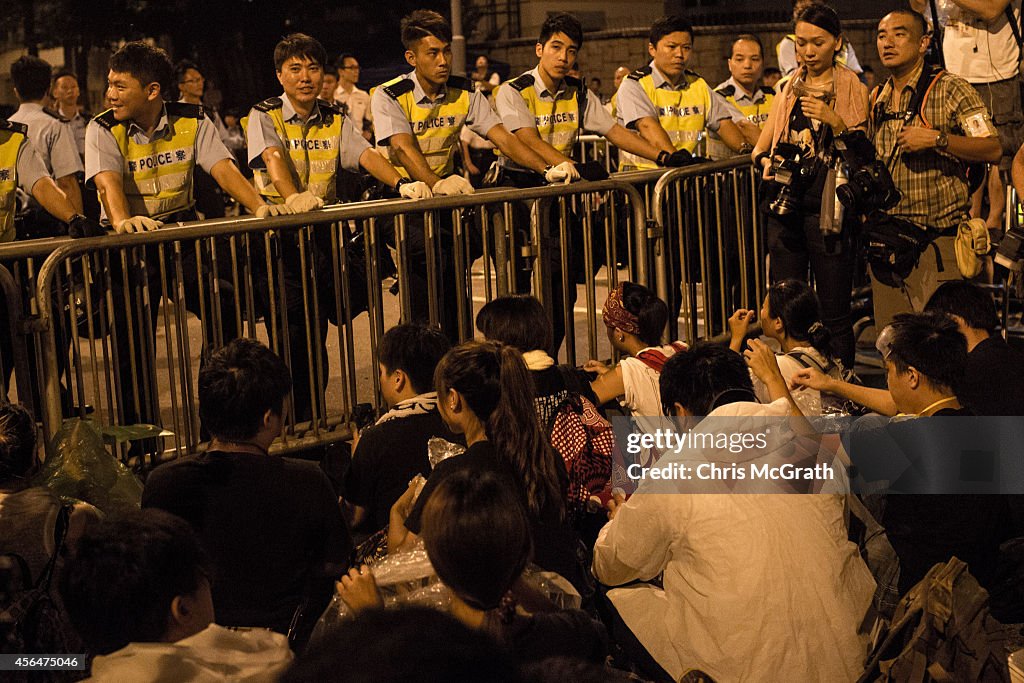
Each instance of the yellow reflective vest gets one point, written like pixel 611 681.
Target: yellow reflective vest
pixel 559 122
pixel 12 138
pixel 312 149
pixel 756 112
pixel 157 174
pixel 436 128
pixel 682 113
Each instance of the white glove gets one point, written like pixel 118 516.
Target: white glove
pixel 264 210
pixel 301 202
pixel 416 190
pixel 137 224
pixel 453 184
pixel 564 172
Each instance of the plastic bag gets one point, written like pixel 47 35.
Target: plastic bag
pixel 81 468
pixel 403 578
pixel 438 449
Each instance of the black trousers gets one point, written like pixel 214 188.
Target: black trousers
pixel 795 243
pixel 136 340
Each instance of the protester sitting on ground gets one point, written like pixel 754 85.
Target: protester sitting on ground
pixel 993 379
pixel 394 450
pixel 635 318
pixel 408 644
pixel 272 525
pixel 925 356
pixel 779 566
pixel 34 524
pixel 790 315
pixel 477 535
pixel 138 590
pixel 568 418
pixel 485 393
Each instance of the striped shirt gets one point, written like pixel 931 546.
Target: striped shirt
pixel 933 183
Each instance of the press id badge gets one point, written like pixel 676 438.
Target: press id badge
pixel 978 126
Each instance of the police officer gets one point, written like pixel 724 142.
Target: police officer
pixel 744 90
pixel 140 156
pixel 671 106
pixel 297 146
pixel 417 119
pixel 52 138
pixel 547 109
pixel 22 168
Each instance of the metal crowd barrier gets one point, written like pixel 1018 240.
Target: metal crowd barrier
pixel 97 324
pixel 709 251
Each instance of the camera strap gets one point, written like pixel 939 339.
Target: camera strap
pixel 929 75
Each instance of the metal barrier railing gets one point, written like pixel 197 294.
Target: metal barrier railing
pixel 709 251
pixel 97 299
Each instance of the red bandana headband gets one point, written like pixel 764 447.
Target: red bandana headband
pixel 615 314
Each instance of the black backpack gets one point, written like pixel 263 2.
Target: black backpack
pixel 30 621
pixel 942 631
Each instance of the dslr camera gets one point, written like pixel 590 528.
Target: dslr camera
pixel 1010 254
pixel 869 186
pixel 794 168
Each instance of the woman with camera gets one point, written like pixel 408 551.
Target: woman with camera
pixel 805 224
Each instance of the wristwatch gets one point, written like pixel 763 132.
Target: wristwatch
pixel 941 141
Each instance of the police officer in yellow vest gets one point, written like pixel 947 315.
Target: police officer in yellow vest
pixel 671 106
pixel 297 145
pixel 417 120
pixel 140 155
pixel 547 110
pixel 743 90
pixel 21 167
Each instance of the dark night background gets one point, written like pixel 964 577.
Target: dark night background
pixel 231 40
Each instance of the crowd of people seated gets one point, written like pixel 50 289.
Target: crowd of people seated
pixel 237 552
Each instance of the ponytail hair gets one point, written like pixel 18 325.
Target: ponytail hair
pixel 796 305
pixel 650 311
pixel 497 386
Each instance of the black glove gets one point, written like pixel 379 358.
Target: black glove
pixel 678 158
pixel 80 226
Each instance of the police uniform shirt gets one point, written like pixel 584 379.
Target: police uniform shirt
pixel 634 104
pixel 29 168
pixel 515 113
pixel 744 100
pixel 52 138
pixel 103 154
pixel 262 136
pixel 388 117
pixel 78 124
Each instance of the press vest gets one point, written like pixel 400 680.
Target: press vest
pixel 158 174
pixel 436 128
pixel 12 137
pixel 682 113
pixel 313 150
pixel 559 122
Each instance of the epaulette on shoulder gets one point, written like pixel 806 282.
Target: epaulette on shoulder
pixel 460 83
pixel 573 82
pixel 184 109
pixel 55 114
pixel 332 107
pixel 13 126
pixel 640 73
pixel 106 119
pixel 522 82
pixel 767 89
pixel 399 88
pixel 268 104
pixel 726 90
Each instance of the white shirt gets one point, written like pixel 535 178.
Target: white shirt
pixel 756 587
pixel 977 50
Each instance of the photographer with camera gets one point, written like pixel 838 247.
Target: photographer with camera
pixel 796 150
pixel 927 125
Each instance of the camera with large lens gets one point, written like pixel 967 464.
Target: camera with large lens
pixel 794 168
pixel 869 186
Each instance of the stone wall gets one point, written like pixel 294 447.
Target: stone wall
pixel 604 51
